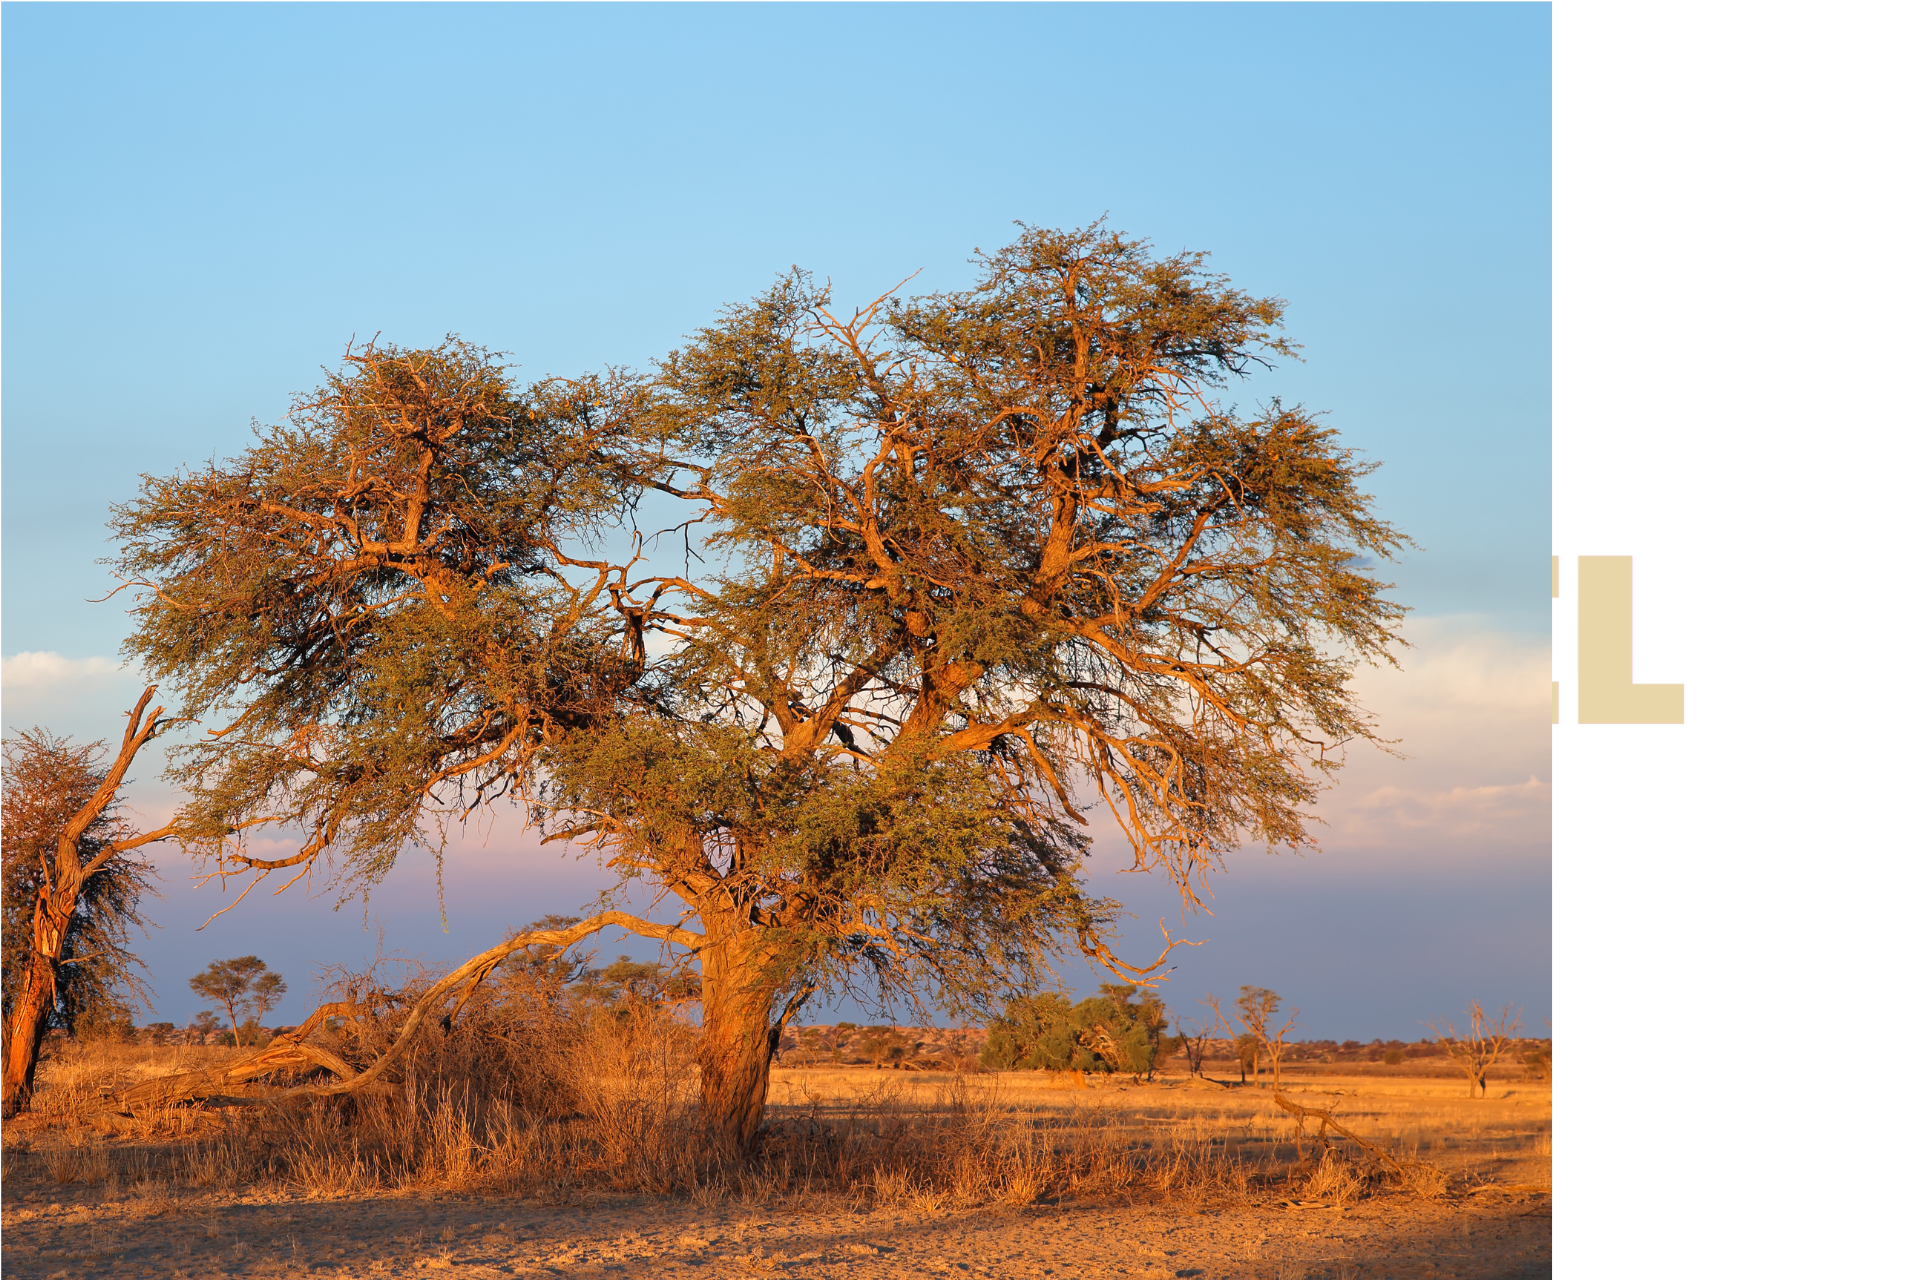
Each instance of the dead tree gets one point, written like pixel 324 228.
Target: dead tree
pixel 84 845
pixel 1256 1010
pixel 1192 1040
pixel 1486 1038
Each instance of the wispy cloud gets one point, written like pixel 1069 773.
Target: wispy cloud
pixel 1469 708
pixel 1468 780
pixel 34 671
pixel 1513 813
pixel 84 698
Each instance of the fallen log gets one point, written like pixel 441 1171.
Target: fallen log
pixel 1301 1114
pixel 285 1051
pixel 290 1050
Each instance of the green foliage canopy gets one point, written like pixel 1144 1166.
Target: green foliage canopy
pixel 552 972
pixel 243 986
pixel 1118 1030
pixel 966 562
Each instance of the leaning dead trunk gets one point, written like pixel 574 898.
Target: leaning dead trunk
pixel 33 1003
pixel 291 1050
pixel 67 873
pixel 738 1035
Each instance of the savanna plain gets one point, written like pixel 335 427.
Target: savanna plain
pixel 522 1158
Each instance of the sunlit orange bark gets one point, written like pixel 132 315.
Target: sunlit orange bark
pixel 53 911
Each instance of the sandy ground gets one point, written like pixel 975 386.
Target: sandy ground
pixel 1496 1223
pixel 100 1233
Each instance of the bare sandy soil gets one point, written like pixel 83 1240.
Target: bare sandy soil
pixel 1495 1221
pixel 1491 1235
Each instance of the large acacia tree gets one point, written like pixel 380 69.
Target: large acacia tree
pixel 828 630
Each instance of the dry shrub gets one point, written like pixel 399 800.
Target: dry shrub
pixel 1334 1180
pixel 528 1087
pixel 73 1076
pixel 1335 1176
pixel 14 1146
pixel 1428 1181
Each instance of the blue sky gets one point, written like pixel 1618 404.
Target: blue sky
pixel 203 204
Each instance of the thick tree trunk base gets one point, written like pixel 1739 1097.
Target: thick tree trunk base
pixel 738 1037
pixel 733 1091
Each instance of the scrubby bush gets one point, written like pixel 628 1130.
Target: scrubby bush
pixel 1118 1030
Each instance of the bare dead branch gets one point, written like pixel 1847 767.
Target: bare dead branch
pixel 290 1050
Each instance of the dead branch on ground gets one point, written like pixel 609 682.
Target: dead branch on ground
pixel 290 1051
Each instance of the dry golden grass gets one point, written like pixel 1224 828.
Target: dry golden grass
pixel 1504 1138
pixel 528 1096
pixel 572 1145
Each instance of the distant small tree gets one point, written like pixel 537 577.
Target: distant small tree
pixel 1117 1032
pixel 112 1019
pixel 1257 1011
pixel 1247 1050
pixel 1191 1035
pixel 1031 1034
pixel 543 966
pixel 244 987
pixel 647 981
pixel 815 1044
pixel 883 1046
pixel 1540 1060
pixel 1545 1054
pixel 1487 1037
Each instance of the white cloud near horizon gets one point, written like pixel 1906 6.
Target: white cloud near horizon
pixel 1468 778
pixel 31 671
pixel 1499 811
pixel 1470 707
pixel 82 698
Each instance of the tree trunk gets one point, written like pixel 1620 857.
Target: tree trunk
pixel 53 911
pixel 737 1036
pixel 33 1005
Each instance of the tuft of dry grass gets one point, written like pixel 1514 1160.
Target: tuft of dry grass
pixel 81 1162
